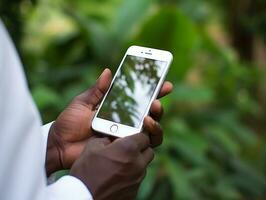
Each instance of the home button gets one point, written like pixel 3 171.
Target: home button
pixel 114 128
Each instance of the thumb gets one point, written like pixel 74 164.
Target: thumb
pixel 94 95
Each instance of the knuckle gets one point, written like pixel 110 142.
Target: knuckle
pixel 157 127
pixel 151 127
pixel 149 156
pixel 97 93
pixel 156 140
pixel 94 96
pixel 126 162
pixel 77 98
pixel 129 146
pixel 105 140
pixel 84 94
pixel 146 140
pixel 154 124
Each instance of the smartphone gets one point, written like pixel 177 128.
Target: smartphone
pixel 134 87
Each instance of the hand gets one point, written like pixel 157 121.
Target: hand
pixel 72 129
pixel 151 123
pixel 114 171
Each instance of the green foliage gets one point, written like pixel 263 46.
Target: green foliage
pixel 209 151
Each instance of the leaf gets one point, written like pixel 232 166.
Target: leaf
pixel 169 29
pixel 45 96
pixel 226 190
pixel 187 94
pixel 128 15
pixel 191 147
pixel 243 135
pixel 148 183
pixel 222 138
pixel 180 183
pixel 96 33
pixel 248 180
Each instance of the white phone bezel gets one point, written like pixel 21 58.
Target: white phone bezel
pixel 104 126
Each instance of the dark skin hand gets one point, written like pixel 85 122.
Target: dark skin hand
pixel 114 170
pixel 71 131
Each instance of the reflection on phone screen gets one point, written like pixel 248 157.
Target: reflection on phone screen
pixel 132 90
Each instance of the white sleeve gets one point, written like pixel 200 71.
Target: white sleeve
pixel 67 187
pixel 22 173
pixel 45 133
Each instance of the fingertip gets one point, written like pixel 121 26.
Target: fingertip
pixel 168 86
pixel 147 121
pixel 104 80
pixel 166 89
pixel 156 104
pixel 107 70
pixel 156 110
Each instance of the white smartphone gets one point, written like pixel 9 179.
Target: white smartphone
pixel 134 87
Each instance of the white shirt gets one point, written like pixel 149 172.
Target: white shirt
pixel 22 143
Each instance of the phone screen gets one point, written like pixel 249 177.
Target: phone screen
pixel 132 90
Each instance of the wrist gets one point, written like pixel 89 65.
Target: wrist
pixel 53 157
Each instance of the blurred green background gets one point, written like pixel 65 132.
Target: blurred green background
pixel 215 119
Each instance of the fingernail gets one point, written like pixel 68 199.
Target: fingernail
pixel 156 101
pixel 102 73
pixel 150 120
